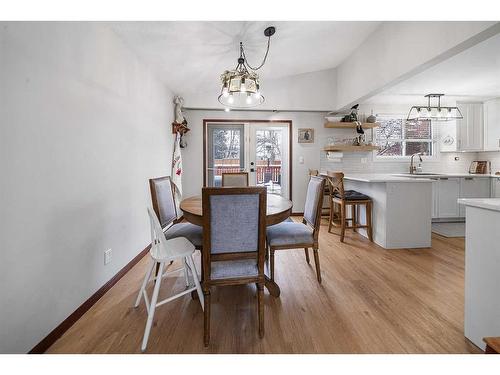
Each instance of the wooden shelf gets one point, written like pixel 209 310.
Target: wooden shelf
pixel 350 148
pixel 350 125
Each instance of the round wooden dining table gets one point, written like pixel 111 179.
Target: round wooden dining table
pixel 278 210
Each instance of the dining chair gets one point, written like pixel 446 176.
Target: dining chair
pixel 289 235
pixel 340 199
pixel 235 179
pixel 162 198
pixel 164 252
pixel 234 227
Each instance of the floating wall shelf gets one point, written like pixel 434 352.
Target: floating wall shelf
pixel 350 148
pixel 350 125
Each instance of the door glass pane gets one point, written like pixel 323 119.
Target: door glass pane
pixel 268 156
pixel 225 152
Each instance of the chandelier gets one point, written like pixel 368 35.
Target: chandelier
pixel 434 112
pixel 241 86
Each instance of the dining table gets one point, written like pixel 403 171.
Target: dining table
pixel 278 209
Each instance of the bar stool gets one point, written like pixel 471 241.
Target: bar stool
pixel 340 199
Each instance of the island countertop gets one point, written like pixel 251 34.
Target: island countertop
pixel 486 203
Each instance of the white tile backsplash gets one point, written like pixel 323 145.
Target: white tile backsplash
pixel 351 163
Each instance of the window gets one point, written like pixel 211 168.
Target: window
pixel 400 138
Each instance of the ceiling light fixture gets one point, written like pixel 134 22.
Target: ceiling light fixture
pixel 241 87
pixel 433 112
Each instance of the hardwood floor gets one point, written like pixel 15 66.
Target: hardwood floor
pixel 371 301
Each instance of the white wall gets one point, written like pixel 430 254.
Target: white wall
pixel 192 156
pixel 398 50
pixel 309 91
pixel 83 125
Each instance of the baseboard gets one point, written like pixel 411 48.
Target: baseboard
pixel 57 332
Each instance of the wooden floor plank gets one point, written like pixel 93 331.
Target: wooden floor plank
pixel 371 301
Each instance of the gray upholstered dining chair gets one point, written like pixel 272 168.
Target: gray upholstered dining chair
pixel 234 249
pixel 235 179
pixel 164 206
pixel 304 235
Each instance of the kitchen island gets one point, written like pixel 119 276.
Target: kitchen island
pixel 402 208
pixel 482 269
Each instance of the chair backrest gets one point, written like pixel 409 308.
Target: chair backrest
pixel 235 179
pixel 162 199
pixel 159 248
pixel 314 202
pixel 234 225
pixel 336 183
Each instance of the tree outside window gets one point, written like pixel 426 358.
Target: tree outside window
pixel 398 137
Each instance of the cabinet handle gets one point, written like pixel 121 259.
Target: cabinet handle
pixel 469 178
pixel 443 178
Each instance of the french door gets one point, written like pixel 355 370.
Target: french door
pixel 261 149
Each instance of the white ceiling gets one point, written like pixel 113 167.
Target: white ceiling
pixel 473 74
pixel 190 56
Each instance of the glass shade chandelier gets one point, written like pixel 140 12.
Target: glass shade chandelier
pixel 434 112
pixel 241 86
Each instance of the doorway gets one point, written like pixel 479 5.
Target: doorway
pixel 260 147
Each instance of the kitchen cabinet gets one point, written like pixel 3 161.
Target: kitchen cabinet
pixel 470 128
pixel 474 187
pixel 448 192
pixel 495 187
pixel 492 125
pixel 435 200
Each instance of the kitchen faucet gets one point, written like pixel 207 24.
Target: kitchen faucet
pixel 413 169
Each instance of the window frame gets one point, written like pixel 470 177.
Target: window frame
pixel 406 158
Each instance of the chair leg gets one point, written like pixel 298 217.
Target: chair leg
pixel 206 316
pixel 260 303
pixel 272 264
pixel 306 250
pixel 354 217
pixel 145 283
pixel 330 217
pixel 186 275
pixel 342 222
pixel 369 220
pixel 192 267
pixel 152 308
pixel 316 262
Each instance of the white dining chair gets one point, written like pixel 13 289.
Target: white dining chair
pixel 163 252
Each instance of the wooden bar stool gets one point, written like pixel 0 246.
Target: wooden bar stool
pixel 340 199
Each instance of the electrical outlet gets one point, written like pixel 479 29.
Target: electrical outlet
pixel 108 254
pixel 364 160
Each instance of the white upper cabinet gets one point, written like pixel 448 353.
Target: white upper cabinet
pixel 470 128
pixel 492 125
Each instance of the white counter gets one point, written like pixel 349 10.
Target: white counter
pixel 482 269
pixel 379 177
pixel 401 215
pixel 486 203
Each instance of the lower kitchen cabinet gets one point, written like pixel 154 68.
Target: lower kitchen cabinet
pixel 474 187
pixel 495 187
pixel 448 192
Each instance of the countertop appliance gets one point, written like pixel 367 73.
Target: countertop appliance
pixel 480 167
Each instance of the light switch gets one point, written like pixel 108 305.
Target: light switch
pixel 301 160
